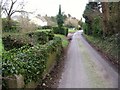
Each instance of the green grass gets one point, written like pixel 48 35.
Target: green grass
pixel 71 30
pixel 64 40
pixel 40 30
pixel 1 46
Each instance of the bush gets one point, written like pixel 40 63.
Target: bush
pixel 60 30
pixel 86 29
pixel 29 61
pixel 46 27
pixel 96 25
pixel 11 41
pixel 14 26
pixel 50 35
pixel 41 37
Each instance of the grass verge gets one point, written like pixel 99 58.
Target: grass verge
pixel 40 30
pixel 64 40
pixel 71 31
pixel 108 46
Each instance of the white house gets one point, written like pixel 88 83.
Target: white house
pixel 40 21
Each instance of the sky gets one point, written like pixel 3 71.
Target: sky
pixel 50 7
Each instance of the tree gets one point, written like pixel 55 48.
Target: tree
pixel 69 15
pixel 25 24
pixel 60 19
pixel 80 22
pixel 0 23
pixel 91 12
pixel 71 22
pixel 105 15
pixel 10 7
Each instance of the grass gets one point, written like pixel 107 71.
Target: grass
pixel 40 30
pixel 107 45
pixel 1 46
pixel 64 40
pixel 71 31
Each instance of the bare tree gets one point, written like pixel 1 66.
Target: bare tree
pixel 25 24
pixel 10 7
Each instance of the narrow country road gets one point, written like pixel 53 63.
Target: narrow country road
pixel 85 68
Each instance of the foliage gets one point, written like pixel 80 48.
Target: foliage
pixel 102 29
pixel 25 24
pixel 46 27
pixel 51 21
pixel 14 26
pixel 103 23
pixel 13 40
pixel 71 22
pixel 60 18
pixel 96 25
pixel 10 43
pixel 60 30
pixel 10 7
pixel 64 40
pixel 108 45
pixel 92 19
pixel 72 30
pixel 86 28
pixel 41 37
pixel 28 61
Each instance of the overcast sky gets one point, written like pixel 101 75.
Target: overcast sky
pixel 51 7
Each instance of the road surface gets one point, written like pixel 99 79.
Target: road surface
pixel 85 68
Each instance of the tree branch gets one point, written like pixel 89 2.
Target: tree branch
pixel 14 11
pixel 11 7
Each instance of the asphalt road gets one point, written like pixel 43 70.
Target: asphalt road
pixel 86 68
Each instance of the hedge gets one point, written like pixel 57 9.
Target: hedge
pixel 41 37
pixel 60 30
pixel 30 62
pixel 31 38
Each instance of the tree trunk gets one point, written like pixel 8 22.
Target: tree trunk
pixel 105 15
pixel 9 26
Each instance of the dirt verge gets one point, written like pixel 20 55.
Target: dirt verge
pixel 52 79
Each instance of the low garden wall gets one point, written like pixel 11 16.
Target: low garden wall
pixel 27 66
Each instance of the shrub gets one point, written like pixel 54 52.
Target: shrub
pixel 29 61
pixel 46 27
pixel 50 35
pixel 14 26
pixel 86 28
pixel 11 41
pixel 60 30
pixel 96 26
pixel 41 37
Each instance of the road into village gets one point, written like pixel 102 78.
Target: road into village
pixel 86 68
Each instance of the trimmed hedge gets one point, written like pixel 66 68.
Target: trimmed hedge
pixel 32 38
pixel 28 61
pixel 41 37
pixel 46 27
pixel 60 30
